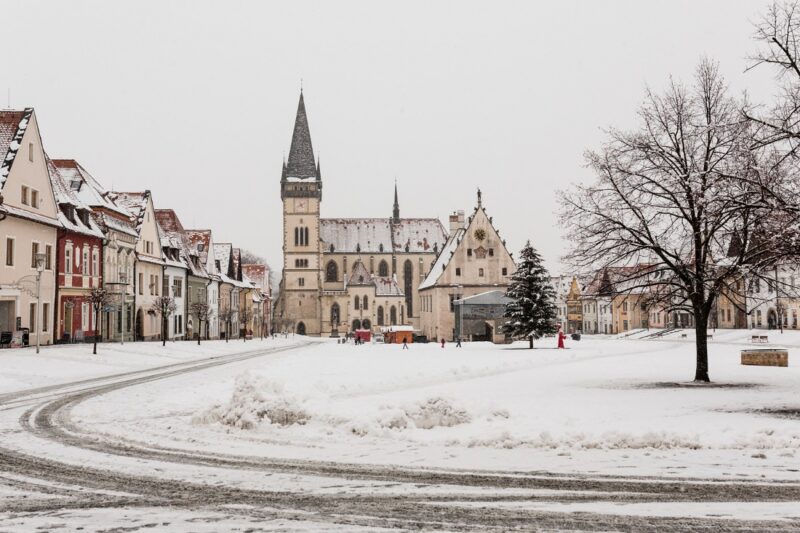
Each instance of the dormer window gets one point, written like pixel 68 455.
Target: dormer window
pixel 75 185
pixel 200 247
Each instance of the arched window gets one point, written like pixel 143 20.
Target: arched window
pixel 380 315
pixel 383 269
pixel 331 271
pixel 392 316
pixel 365 303
pixel 408 286
pixel 366 324
pixel 356 302
pixel 356 324
pixel 301 328
pixel 335 314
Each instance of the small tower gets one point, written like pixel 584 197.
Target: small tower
pixel 396 209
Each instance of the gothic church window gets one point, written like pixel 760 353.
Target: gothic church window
pixel 408 286
pixel 392 316
pixel 380 315
pixel 365 305
pixel 383 269
pixel 356 302
pixel 331 271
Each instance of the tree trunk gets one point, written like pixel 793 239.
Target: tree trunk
pixel 163 330
pixel 94 348
pixel 530 338
pixel 200 327
pixel 701 345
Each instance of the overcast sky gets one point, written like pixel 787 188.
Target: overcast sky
pixel 196 100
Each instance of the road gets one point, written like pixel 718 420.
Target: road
pixel 364 496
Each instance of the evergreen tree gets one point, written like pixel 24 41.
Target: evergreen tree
pixel 531 312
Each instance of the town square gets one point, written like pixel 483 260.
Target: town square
pixel 355 266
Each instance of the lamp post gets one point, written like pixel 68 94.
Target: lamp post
pixel 123 279
pixel 39 259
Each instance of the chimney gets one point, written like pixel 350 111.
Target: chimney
pixel 456 221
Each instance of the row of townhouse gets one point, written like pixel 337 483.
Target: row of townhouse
pixel 612 301
pixel 63 235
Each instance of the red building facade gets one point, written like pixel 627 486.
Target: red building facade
pixel 79 262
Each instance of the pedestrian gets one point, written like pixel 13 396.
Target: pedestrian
pixel 458 342
pixel 405 344
pixel 561 338
pixel 442 342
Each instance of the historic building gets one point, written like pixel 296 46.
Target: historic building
pixel 320 255
pixel 28 229
pixel 473 261
pixel 148 264
pixel 79 262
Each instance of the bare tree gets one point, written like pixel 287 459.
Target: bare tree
pixel 201 311
pixel 164 306
pixel 245 314
pixel 778 35
pixel 225 315
pixel 98 298
pixel 673 195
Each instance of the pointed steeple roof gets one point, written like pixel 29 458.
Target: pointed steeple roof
pixel 301 154
pixel 396 210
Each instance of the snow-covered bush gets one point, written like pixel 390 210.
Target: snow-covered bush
pixel 254 401
pixel 437 412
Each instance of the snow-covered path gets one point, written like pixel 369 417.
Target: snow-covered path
pixel 70 455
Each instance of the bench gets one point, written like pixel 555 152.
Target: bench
pixel 683 335
pixel 766 357
pixel 763 339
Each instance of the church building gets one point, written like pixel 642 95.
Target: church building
pixel 342 274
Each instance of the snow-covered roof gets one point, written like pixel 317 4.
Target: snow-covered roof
pixel 13 125
pixel 135 203
pixel 386 286
pixel 443 259
pixel 379 235
pixel 174 236
pixel 85 186
pixel 73 214
pixel 360 276
pixel 258 274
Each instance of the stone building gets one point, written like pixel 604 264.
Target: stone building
pixel 473 261
pixel 320 255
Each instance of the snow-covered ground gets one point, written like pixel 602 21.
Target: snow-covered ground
pixel 22 369
pixel 605 405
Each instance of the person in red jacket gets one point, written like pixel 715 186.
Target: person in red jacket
pixel 561 338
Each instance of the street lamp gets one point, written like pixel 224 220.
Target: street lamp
pixel 123 279
pixel 39 259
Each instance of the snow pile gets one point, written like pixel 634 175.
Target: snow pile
pixel 438 412
pixel 256 400
pixel 434 412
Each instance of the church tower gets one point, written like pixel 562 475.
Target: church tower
pixel 301 192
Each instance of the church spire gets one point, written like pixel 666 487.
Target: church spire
pixel 396 210
pixel 301 154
